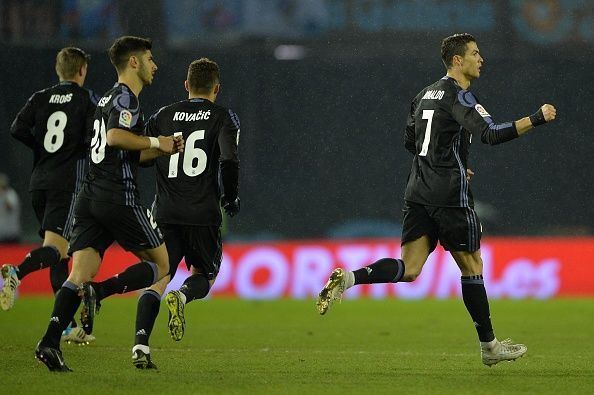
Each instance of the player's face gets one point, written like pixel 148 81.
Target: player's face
pixel 472 61
pixel 147 68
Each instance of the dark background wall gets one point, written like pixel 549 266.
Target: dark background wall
pixel 321 135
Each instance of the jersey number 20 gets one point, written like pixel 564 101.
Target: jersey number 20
pixel 98 142
pixel 194 162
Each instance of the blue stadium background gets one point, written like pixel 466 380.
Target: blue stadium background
pixel 322 88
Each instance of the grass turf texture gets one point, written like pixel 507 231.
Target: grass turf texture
pixel 278 347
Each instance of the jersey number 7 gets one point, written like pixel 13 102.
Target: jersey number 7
pixel 428 115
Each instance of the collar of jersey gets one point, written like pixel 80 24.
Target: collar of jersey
pixel 124 85
pixel 447 77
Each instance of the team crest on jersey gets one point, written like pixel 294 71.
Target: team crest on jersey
pixel 125 118
pixel 481 110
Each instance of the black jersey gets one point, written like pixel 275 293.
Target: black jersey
pixel 442 119
pixel 56 123
pixel 112 171
pixel 188 188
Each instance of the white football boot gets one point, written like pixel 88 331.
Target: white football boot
pixel 11 282
pixel 332 291
pixel 77 335
pixel 499 351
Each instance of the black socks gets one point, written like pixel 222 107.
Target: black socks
pixel 146 314
pixel 195 287
pixel 38 259
pixel 477 304
pixel 386 270
pixel 65 306
pixel 59 274
pixel 138 276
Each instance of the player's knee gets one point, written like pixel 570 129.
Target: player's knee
pixel 79 277
pixel 411 273
pixel 470 264
pixel 161 285
pixel 163 268
pixel 409 277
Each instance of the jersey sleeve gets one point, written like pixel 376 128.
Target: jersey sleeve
pixel 409 130
pixel 125 112
pixel 229 159
pixel 151 128
pixel 473 117
pixel 90 118
pixel 22 126
pixel 94 97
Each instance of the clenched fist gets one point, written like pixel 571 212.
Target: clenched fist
pixel 549 112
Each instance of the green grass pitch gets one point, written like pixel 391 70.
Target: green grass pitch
pixel 284 347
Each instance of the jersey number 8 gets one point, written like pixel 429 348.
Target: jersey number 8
pixel 194 162
pixel 54 137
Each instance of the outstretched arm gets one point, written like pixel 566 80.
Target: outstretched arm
pixel 153 153
pixel 545 114
pixel 494 135
pixel 473 117
pixel 126 140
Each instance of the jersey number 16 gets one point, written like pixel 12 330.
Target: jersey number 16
pixel 194 161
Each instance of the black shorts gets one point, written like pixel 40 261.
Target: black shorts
pixel 54 211
pixel 201 246
pixel 456 228
pixel 99 224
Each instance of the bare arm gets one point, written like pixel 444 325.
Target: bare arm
pixel 123 139
pixel 152 153
pixel 120 138
pixel 549 113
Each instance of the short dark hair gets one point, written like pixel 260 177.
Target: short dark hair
pixel 69 61
pixel 203 75
pixel 124 47
pixel 454 45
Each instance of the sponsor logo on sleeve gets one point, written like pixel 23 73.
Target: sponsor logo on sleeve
pixel 125 118
pixel 481 110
